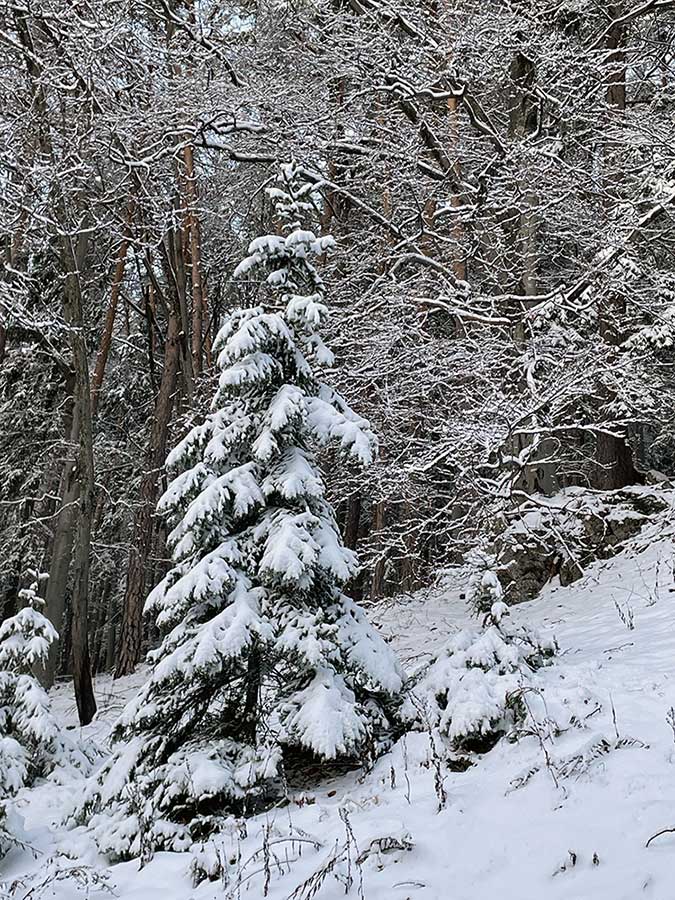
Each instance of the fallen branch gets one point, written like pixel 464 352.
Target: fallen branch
pixel 659 833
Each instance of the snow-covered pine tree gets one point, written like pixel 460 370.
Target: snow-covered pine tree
pixel 471 691
pixel 262 652
pixel 32 743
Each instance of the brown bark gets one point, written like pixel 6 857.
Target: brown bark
pixel 352 521
pixel 199 300
pixel 377 585
pixel 187 244
pixel 173 262
pixel 408 568
pixel 616 81
pixel 106 338
pixel 131 634
pixel 110 640
pixel 150 317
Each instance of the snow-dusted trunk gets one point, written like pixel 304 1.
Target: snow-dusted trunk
pixel 173 265
pixel 616 58
pixel 614 465
pixel 523 122
pixel 200 337
pixel 74 260
pixel 106 337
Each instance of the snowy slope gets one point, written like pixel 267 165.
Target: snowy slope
pixel 551 816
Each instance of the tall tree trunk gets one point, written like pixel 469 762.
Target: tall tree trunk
pixel 523 122
pixel 84 692
pixel 614 459
pixel 60 554
pixel 106 338
pixel 173 263
pixel 131 634
pixel 199 307
pixel 408 565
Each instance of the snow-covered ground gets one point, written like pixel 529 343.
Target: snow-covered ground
pixel 549 816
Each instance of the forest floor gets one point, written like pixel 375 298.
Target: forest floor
pixel 549 816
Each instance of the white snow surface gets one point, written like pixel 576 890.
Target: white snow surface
pixel 565 817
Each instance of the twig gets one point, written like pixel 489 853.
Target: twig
pixel 659 833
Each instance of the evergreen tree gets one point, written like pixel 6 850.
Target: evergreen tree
pixel 262 652
pixel 471 691
pixel 32 743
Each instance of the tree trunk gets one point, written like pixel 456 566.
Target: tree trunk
pixel 110 641
pixel 101 616
pixel 131 635
pixel 523 122
pixel 616 81
pixel 199 310
pixel 59 559
pixel 407 573
pixel 173 263
pixel 614 464
pixel 377 585
pixel 84 692
pixel 352 521
pixel 253 678
pixel 614 459
pixel 106 338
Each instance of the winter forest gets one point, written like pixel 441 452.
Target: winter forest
pixel 337 449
